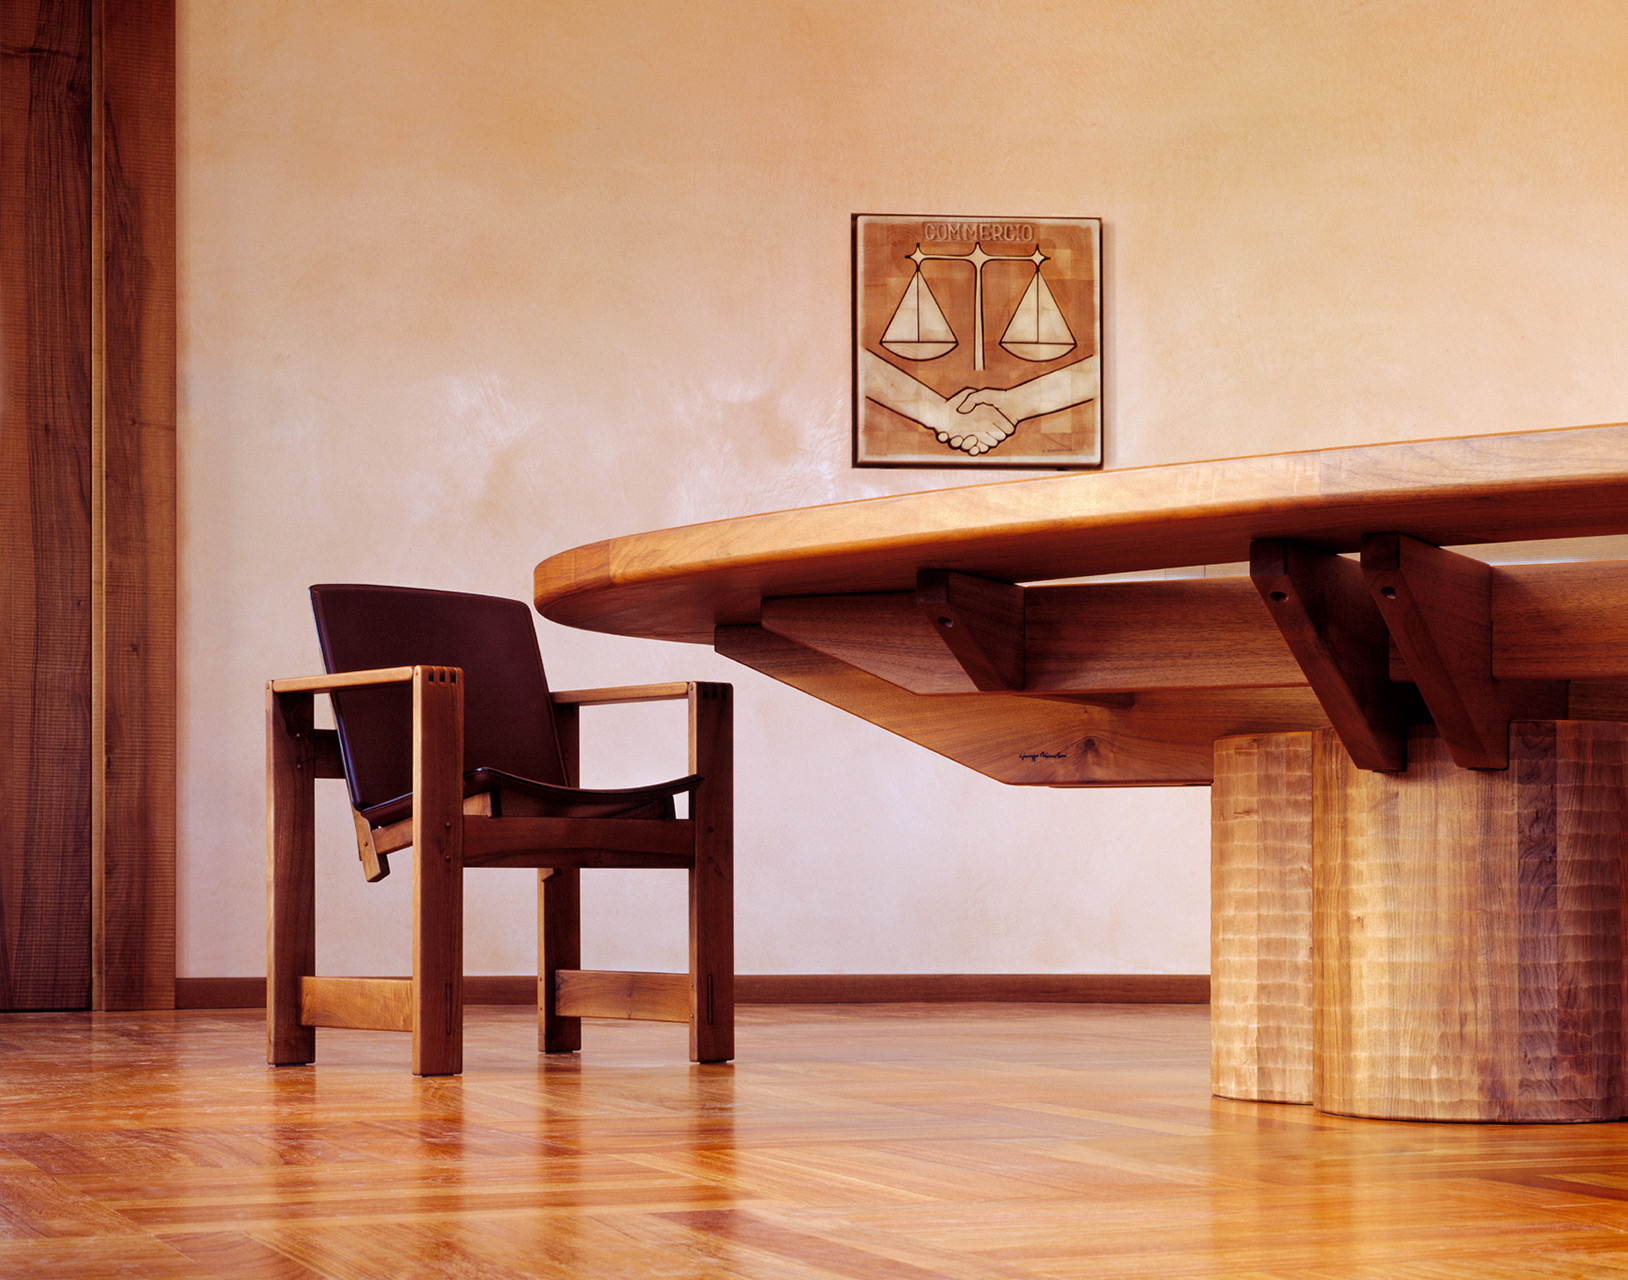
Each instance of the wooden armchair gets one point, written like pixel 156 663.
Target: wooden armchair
pixel 452 745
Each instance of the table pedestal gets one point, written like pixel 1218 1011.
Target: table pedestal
pixel 1439 944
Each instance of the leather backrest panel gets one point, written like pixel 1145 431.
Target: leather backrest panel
pixel 508 717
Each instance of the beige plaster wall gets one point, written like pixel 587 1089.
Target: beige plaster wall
pixel 463 284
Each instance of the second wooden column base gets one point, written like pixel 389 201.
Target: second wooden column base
pixel 1466 928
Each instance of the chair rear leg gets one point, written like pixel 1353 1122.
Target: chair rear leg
pixel 559 946
pixel 712 878
pixel 291 937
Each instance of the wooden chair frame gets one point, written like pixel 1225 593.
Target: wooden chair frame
pixel 448 834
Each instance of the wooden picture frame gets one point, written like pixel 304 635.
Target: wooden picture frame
pixel 977 342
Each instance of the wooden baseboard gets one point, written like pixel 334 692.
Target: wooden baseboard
pixel 967 988
pixel 220 993
pixel 812 988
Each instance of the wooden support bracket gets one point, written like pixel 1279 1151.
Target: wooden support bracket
pixel 981 622
pixel 326 761
pixel 375 861
pixel 1322 606
pixel 1438 606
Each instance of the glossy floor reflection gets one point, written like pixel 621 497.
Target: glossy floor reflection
pixel 893 1142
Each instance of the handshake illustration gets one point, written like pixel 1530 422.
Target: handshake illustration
pixel 977 424
pixel 977 419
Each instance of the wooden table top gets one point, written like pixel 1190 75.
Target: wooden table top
pixel 679 584
pixel 1107 683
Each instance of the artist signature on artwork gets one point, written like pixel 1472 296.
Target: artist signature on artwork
pixel 1042 755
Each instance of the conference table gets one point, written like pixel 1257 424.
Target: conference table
pixel 1417 757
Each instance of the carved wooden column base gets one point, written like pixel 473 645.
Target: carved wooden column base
pixel 1466 927
pixel 1467 930
pixel 1260 918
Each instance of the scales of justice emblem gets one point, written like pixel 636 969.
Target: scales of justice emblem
pixel 927 395
pixel 919 331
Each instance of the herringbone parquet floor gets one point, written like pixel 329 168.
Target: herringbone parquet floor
pixel 864 1142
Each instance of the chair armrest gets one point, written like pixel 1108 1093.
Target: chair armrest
pixel 621 693
pixel 326 758
pixel 711 738
pixel 342 680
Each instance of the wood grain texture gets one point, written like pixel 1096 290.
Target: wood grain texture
pixel 1597 700
pixel 438 871
pixel 375 861
pixel 559 904
pixel 1320 602
pixel 1260 918
pixel 671 691
pixel 809 988
pixel 1180 633
pixel 449 833
pixel 1549 622
pixel 1560 621
pixel 343 680
pixel 681 584
pixel 372 1004
pixel 577 842
pixel 623 993
pixel 1438 607
pixel 134 603
pixel 980 622
pixel 965 988
pixel 871 1143
pixel 326 760
pixel 1163 738
pixel 559 947
pixel 1099 637
pixel 882 633
pixel 1468 930
pixel 711 985
pixel 45 504
pixel 291 886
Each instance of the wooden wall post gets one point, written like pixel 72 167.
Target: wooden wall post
pixel 133 566
pixel 87 503
pixel 45 514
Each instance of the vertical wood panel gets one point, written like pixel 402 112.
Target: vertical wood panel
pixel 134 830
pixel 87 503
pixel 45 525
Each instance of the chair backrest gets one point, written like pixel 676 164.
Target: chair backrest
pixel 508 716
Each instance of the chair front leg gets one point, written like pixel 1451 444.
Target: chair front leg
pixel 291 936
pixel 712 879
pixel 438 871
pixel 559 946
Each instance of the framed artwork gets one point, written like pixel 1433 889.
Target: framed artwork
pixel 977 341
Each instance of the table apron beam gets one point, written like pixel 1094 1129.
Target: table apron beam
pixel 1548 622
